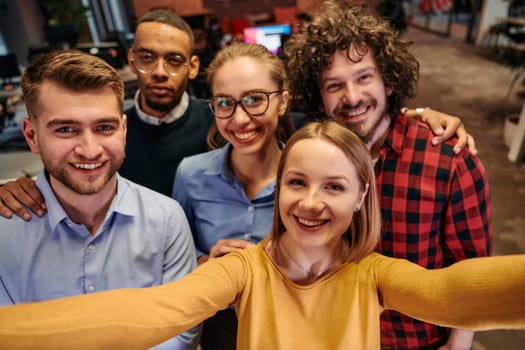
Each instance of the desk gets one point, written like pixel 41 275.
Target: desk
pixel 515 21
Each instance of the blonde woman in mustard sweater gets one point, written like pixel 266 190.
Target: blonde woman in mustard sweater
pixel 313 283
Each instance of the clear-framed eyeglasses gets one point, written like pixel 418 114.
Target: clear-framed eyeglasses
pixel 254 103
pixel 146 62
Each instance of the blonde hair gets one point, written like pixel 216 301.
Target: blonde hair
pixel 277 72
pixel 364 231
pixel 71 69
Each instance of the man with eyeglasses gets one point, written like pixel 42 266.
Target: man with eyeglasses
pixel 165 125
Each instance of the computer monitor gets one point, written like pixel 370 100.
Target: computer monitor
pixel 270 36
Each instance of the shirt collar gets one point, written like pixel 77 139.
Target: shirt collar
pixel 172 115
pixel 56 213
pixel 397 133
pixel 220 167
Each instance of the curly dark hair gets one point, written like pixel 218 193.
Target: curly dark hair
pixel 341 26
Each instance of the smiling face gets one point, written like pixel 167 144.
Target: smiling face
pixel 80 139
pixel 354 94
pixel 248 134
pixel 160 91
pixel 319 191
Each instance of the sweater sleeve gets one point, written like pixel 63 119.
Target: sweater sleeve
pixel 125 318
pixel 477 294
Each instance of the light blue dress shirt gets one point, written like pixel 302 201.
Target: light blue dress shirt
pixel 144 241
pixel 216 204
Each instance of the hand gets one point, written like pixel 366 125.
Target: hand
pixel 453 125
pixel 22 191
pixel 225 246
pixel 459 339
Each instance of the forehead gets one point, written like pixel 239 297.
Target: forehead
pixel 230 79
pixel 320 158
pixel 340 63
pixel 55 100
pixel 161 38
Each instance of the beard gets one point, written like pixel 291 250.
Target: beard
pixel 366 129
pixel 161 107
pixel 92 185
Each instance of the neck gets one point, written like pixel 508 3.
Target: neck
pixel 265 162
pixel 88 210
pixel 305 266
pixel 378 138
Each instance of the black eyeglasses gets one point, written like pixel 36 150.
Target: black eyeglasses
pixel 146 62
pixel 254 103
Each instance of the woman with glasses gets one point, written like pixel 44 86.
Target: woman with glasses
pixel 228 193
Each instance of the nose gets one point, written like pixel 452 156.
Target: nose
pixel 351 95
pixel 160 68
pixel 240 115
pixel 88 146
pixel 311 201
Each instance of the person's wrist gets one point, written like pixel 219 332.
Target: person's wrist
pixel 413 112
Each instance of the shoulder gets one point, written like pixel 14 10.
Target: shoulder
pixel 144 197
pixel 200 163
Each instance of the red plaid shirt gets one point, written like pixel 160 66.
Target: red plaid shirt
pixel 435 209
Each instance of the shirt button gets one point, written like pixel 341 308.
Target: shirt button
pixel 247 236
pixel 91 246
pixel 91 288
pixel 250 208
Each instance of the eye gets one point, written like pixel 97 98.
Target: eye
pixel 253 99
pixel 223 102
pixel 146 57
pixel 65 130
pixel 365 77
pixel 333 87
pixel 335 187
pixel 106 128
pixel 175 61
pixel 296 182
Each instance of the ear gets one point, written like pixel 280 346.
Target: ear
pixel 124 127
pixel 285 98
pixel 130 61
pixel 30 134
pixel 389 90
pixel 194 67
pixel 362 196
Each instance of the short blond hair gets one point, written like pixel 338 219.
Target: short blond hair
pixel 72 69
pixel 364 231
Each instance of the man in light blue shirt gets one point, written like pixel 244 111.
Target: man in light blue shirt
pixel 100 230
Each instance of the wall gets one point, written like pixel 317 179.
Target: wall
pixel 242 8
pixel 489 11
pixel 21 26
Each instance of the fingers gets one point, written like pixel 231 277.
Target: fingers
pixel 226 246
pixel 15 194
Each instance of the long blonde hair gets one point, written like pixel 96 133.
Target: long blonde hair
pixel 364 231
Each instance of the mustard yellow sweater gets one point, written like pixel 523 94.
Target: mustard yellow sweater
pixel 339 311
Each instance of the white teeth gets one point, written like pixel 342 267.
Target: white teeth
pixel 356 113
pixel 88 166
pixel 245 135
pixel 310 222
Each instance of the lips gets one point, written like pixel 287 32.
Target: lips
pixel 245 135
pixel 88 166
pixel 159 89
pixel 311 222
pixel 355 114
